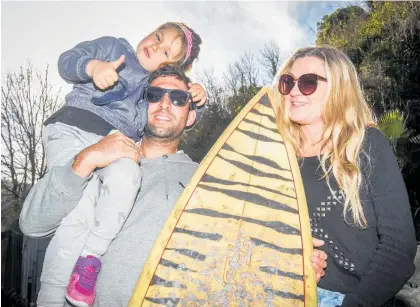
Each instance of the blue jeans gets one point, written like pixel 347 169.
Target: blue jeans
pixel 328 298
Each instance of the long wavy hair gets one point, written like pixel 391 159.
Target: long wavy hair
pixel 345 115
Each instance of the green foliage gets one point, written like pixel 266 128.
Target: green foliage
pixel 243 96
pixel 381 15
pixel 340 28
pixel 393 125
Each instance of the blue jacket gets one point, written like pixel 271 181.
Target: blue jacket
pixel 121 106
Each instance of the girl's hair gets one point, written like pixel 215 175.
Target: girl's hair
pixel 189 39
pixel 345 115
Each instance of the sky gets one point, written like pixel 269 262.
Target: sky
pixel 40 31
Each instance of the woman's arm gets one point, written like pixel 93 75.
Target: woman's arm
pixel 392 264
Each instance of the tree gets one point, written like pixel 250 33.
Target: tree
pixel 215 119
pixel 241 81
pixel 384 45
pixel 28 100
pixel 340 28
pixel 224 103
pixel 270 59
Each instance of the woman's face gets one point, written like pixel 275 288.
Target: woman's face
pixel 307 110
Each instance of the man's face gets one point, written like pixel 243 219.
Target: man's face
pixel 165 120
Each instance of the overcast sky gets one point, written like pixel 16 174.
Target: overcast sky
pixel 41 31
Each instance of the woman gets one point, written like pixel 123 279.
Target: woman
pixel 356 196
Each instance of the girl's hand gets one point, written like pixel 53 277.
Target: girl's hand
pixel 104 74
pixel 198 94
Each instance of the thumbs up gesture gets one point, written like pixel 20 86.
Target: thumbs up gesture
pixel 104 74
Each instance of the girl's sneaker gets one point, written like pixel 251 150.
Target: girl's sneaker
pixel 82 286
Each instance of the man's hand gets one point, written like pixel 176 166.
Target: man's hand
pixel 101 154
pixel 198 94
pixel 104 74
pixel 319 259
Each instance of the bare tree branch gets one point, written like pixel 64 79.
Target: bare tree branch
pixel 270 59
pixel 27 101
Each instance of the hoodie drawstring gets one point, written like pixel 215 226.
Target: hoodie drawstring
pixel 164 157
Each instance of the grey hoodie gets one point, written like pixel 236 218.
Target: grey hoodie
pixel 60 191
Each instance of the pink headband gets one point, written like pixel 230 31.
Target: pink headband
pixel 188 36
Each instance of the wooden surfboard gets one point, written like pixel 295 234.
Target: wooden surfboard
pixel 239 234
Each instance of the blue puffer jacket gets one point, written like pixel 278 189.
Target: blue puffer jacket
pixel 121 106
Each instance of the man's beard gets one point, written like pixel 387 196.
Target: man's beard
pixel 162 134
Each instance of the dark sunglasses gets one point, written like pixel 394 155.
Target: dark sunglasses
pixel 307 83
pixel 178 98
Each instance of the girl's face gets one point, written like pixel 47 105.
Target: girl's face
pixel 307 109
pixel 161 46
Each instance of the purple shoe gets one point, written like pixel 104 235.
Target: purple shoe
pixel 81 289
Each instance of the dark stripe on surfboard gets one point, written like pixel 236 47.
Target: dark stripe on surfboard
pixel 252 170
pixel 258 159
pixel 270 117
pixel 166 301
pixel 292 251
pixel 210 179
pixel 199 234
pixel 264 101
pixel 170 264
pixel 284 294
pixel 249 121
pixel 156 280
pixel 189 253
pixel 275 225
pixel 258 137
pixel 274 271
pixel 253 198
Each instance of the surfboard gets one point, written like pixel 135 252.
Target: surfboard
pixel 239 234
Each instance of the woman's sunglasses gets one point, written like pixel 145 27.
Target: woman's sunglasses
pixel 178 98
pixel 307 83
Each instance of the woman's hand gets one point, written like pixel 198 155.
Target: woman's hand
pixel 319 259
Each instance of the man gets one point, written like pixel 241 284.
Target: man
pixel 73 186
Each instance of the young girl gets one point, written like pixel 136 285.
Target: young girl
pixel 356 196
pixel 109 77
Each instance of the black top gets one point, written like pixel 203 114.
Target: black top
pixel 368 265
pixel 82 119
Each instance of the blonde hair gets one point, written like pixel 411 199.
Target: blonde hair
pixel 345 115
pixel 180 60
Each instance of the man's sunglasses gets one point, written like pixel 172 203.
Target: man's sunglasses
pixel 307 83
pixel 178 98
